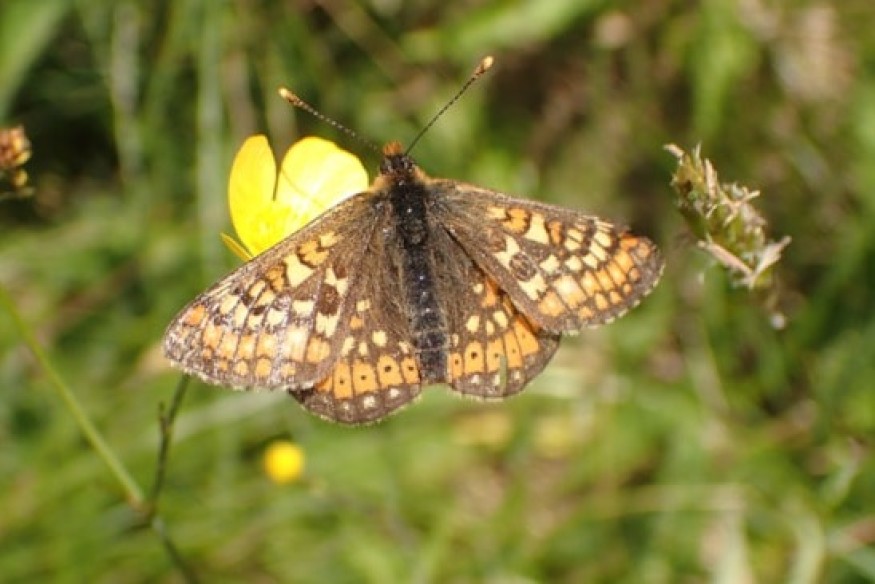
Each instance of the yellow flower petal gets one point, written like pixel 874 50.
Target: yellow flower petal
pixel 250 189
pixel 266 208
pixel 284 462
pixel 316 175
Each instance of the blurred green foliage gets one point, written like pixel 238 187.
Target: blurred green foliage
pixel 689 442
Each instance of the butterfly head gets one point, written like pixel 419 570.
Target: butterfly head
pixel 397 166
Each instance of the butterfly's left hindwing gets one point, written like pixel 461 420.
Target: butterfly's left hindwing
pixel 493 349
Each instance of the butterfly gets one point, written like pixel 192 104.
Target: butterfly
pixel 413 282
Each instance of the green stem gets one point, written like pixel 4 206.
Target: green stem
pixel 132 489
pixel 166 420
pixel 130 486
pixel 157 525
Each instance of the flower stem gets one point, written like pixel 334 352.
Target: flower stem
pixel 132 490
pixel 166 418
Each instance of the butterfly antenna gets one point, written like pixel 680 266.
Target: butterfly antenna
pixel 296 101
pixel 482 68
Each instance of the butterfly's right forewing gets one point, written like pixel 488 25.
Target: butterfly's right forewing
pixel 277 322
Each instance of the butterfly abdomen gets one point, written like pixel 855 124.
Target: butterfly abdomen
pixel 426 322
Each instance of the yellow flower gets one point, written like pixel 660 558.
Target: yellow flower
pixel 284 462
pixel 267 206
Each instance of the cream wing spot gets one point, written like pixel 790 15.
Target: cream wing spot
pixel 574 264
pixel 340 284
pixel 303 307
pixel 296 272
pixel 347 347
pixel 537 231
pixel 599 253
pixel 602 236
pixel 326 325
pixel 295 343
pixel 266 346
pixel 327 240
pixel 569 290
pixel 473 323
pixel 228 304
pixel 369 402
pixel 551 264
pixel 500 318
pixel 535 287
pixel 238 317
pixel 380 339
pixel 591 261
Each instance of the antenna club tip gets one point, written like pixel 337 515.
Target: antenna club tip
pixel 287 95
pixel 485 65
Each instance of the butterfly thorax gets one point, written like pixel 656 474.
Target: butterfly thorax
pixel 406 189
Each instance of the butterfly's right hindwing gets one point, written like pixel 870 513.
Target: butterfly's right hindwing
pixel 378 369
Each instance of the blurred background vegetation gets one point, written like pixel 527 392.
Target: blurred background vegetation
pixel 689 442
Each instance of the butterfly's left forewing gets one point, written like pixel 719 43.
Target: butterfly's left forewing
pixel 562 269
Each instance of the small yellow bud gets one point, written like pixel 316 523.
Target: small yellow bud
pixel 284 462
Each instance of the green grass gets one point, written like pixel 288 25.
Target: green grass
pixel 689 442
